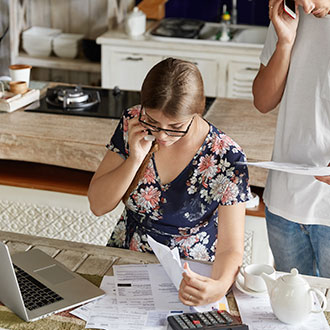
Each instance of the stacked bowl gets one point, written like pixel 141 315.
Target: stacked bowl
pixel 66 45
pixel 37 41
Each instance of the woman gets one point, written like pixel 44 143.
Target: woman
pixel 188 180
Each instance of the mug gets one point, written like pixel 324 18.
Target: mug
pixel 18 87
pixel 252 279
pixel 20 72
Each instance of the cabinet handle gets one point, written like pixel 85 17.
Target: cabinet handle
pixel 130 58
pixel 251 69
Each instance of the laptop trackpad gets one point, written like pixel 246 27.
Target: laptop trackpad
pixel 54 274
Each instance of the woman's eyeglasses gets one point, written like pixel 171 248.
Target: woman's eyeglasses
pixel 169 132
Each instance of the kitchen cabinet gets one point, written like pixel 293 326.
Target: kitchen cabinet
pixel 128 69
pixel 240 78
pixel 227 70
pixel 125 69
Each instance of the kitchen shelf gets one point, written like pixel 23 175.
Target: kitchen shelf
pixel 53 62
pixel 21 18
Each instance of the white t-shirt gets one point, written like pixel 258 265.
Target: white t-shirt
pixel 303 124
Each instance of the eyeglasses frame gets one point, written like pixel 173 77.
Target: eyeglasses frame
pixel 158 129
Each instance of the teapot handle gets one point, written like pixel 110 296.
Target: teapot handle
pixel 324 300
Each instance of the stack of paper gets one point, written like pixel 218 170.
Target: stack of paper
pixel 142 296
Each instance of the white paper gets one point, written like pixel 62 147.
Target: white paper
pixel 170 260
pixel 139 297
pixel 105 313
pixel 133 287
pixel 257 313
pixel 82 312
pixel 292 168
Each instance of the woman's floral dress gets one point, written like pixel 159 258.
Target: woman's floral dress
pixel 184 212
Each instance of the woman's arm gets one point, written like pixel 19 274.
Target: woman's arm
pixel 200 290
pixel 110 182
pixel 114 175
pixel 230 246
pixel 270 81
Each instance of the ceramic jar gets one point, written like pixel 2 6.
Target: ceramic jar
pixel 135 23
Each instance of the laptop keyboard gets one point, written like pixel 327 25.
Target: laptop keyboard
pixel 34 293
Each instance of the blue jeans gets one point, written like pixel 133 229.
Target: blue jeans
pixel 305 247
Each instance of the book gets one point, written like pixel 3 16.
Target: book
pixel 10 102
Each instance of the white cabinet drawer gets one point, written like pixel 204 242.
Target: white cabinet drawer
pixel 240 79
pixel 126 70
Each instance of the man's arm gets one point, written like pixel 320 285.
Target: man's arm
pixel 270 81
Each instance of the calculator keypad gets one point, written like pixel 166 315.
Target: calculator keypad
pixel 216 319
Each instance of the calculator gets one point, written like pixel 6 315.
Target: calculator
pixel 212 320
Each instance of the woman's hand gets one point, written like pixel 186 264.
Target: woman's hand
pixel 197 290
pixel 285 26
pixel 325 179
pixel 138 146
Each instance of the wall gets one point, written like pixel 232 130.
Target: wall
pixel 253 12
pixel 4 44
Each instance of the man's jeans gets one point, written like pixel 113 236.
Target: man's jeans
pixel 305 247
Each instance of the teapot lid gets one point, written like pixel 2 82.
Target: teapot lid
pixel 136 12
pixel 293 278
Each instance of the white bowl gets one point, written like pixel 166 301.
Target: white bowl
pixel 66 45
pixel 37 41
pixel 39 31
pixel 68 52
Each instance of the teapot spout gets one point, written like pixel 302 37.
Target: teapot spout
pixel 270 282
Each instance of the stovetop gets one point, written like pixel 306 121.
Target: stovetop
pixel 110 103
pixel 90 102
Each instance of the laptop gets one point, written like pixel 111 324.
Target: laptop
pixel 34 285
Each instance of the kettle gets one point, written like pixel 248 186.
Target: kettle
pixel 135 23
pixel 291 297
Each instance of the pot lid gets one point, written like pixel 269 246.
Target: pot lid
pixel 136 13
pixel 293 278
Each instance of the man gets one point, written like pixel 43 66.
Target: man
pixel 295 73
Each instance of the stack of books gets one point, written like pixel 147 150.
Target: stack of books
pixel 10 102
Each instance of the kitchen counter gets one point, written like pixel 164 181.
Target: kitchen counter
pixel 79 142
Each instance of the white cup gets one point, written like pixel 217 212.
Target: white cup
pixel 252 279
pixel 20 72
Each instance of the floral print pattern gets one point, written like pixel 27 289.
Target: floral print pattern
pixel 184 212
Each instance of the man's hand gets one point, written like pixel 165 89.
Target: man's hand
pixel 284 25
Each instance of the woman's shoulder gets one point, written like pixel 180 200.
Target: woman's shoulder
pixel 220 143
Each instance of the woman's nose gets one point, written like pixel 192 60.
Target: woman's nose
pixel 161 135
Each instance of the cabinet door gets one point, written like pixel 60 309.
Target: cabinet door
pixel 240 79
pixel 127 70
pixel 209 72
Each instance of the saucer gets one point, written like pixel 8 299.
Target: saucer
pixel 241 287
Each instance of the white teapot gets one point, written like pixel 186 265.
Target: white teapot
pixel 291 297
pixel 135 23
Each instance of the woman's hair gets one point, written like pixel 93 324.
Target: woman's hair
pixel 175 87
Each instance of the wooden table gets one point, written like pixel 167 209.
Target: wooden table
pixel 97 260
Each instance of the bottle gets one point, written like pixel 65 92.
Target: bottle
pixel 224 33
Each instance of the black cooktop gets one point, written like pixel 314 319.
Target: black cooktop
pixel 90 102
pixel 101 102
pixel 178 28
